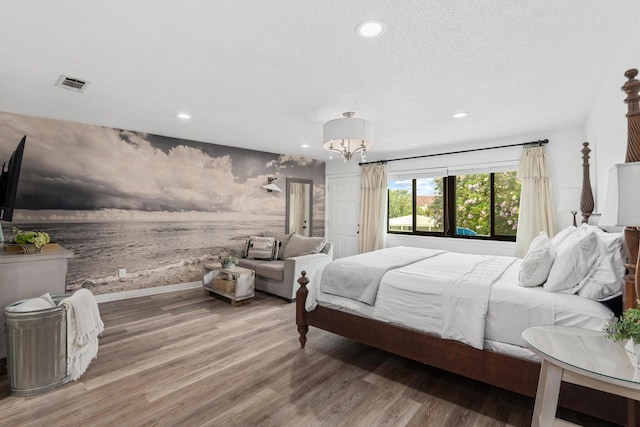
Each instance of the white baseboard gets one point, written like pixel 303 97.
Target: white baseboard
pixel 136 293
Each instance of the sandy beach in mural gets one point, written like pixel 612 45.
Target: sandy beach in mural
pixel 182 272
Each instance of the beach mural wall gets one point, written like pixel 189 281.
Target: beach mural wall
pixel 153 205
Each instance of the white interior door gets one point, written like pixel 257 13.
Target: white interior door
pixel 343 214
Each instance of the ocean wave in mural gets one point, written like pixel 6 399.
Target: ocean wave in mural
pixel 155 206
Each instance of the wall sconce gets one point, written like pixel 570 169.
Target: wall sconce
pixel 270 186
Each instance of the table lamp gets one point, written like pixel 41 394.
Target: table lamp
pixel 622 209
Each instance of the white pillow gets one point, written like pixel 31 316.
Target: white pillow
pixel 537 263
pixel 576 257
pixel 40 303
pixel 607 280
pixel 259 247
pixel 300 245
pixel 561 236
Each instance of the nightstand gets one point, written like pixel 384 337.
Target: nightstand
pixel 579 356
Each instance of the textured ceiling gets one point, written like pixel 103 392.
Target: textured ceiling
pixel 266 74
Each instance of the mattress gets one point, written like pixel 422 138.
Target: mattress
pixel 511 308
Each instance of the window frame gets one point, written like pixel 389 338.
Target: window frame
pixel 449 207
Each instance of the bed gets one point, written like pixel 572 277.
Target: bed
pixel 493 355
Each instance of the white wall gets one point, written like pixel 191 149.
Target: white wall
pixel 606 124
pixel 565 169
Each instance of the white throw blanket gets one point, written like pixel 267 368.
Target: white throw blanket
pixel 465 306
pixel 84 325
pixel 358 277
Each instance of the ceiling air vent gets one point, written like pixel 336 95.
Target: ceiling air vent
pixel 71 83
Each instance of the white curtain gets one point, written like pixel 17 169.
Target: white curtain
pixel 537 210
pixel 373 207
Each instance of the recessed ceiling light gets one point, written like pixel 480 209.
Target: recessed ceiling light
pixel 304 145
pixel 460 115
pixel 371 28
pixel 183 116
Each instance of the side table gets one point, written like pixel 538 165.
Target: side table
pixel 236 283
pixel 579 356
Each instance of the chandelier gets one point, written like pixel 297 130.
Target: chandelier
pixel 347 137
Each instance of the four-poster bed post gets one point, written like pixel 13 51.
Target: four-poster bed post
pixel 631 234
pixel 586 197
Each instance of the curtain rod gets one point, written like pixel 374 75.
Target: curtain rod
pixel 537 143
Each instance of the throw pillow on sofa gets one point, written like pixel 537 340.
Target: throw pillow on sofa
pixel 259 247
pixel 299 245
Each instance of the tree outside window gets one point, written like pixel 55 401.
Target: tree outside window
pixel 401 205
pixel 429 205
pixel 507 203
pixel 473 204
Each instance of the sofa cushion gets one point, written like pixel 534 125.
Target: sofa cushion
pixel 260 247
pixel 250 263
pixel 300 245
pixel 273 270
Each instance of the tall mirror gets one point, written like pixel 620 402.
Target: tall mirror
pixel 299 217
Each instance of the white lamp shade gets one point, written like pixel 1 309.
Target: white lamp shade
pixel 354 131
pixel 271 187
pixel 622 201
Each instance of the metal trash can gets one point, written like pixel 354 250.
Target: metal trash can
pixel 36 349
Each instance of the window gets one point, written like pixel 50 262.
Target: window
pixel 484 205
pixel 506 205
pixel 429 205
pixel 401 205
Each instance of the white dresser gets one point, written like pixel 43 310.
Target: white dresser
pixel 27 276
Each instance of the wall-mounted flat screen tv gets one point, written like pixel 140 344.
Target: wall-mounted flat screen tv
pixel 9 182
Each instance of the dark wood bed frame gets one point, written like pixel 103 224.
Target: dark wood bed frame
pixel 510 373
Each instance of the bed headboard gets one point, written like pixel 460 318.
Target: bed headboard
pixel 631 235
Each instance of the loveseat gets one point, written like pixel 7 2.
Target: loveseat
pixel 278 260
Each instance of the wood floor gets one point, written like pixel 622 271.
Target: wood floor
pixel 186 359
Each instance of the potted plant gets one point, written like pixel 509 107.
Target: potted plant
pixel 626 327
pixel 228 261
pixel 30 241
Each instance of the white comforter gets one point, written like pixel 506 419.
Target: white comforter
pixel 451 289
pixel 411 296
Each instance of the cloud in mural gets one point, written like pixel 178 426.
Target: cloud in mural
pixel 284 161
pixel 76 167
